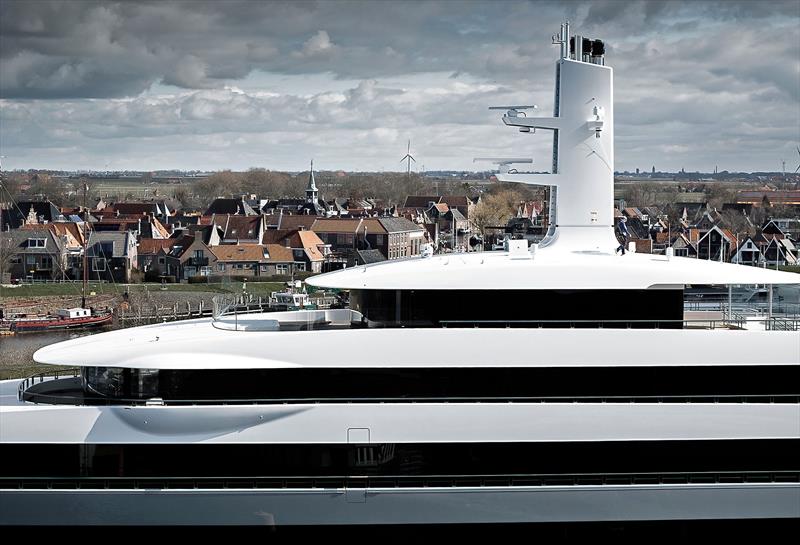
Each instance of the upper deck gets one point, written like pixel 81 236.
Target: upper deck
pixel 550 268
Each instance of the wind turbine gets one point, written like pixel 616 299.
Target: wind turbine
pixel 408 158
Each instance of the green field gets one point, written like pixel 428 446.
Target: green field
pixel 39 290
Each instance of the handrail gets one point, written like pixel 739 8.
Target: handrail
pixel 34 397
pixel 793 324
pixel 407 481
pixel 27 382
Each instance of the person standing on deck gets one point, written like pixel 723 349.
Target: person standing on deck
pixel 623 232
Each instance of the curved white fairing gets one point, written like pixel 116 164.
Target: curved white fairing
pixel 196 344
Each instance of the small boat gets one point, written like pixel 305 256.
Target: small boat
pixel 289 300
pixel 66 318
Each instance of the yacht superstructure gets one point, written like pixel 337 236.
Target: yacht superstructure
pixel 559 382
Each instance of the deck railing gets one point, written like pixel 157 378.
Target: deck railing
pixel 403 481
pixel 737 321
pixel 38 378
pixel 80 399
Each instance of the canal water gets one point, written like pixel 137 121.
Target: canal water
pixel 16 351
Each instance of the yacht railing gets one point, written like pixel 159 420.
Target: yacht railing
pixel 80 399
pixel 737 321
pixel 749 308
pixel 403 481
pixel 38 378
pixel 244 313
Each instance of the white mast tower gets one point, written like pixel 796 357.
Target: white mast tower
pixel 583 148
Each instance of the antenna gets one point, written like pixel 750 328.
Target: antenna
pixel 798 165
pixel 408 158
pixel 783 163
pixel 503 162
pixel 517 111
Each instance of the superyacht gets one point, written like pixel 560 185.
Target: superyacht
pixel 588 396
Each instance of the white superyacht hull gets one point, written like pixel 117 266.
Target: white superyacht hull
pixel 339 506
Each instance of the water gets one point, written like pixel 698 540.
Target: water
pixel 16 351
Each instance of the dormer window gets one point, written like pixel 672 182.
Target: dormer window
pixel 37 242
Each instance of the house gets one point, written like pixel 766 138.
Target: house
pixel 365 257
pixel 308 249
pixel 342 235
pixel 394 237
pixel 716 244
pixel 748 253
pixel 768 198
pixel 404 238
pixel 36 253
pixel 160 209
pixel 709 219
pixel 288 222
pixel 691 203
pixel 30 212
pixel 533 211
pixel 146 226
pixel 71 235
pixel 253 260
pixel 148 253
pixel 111 256
pixel 782 227
pixel 190 256
pixel 240 229
pixel 683 246
pixel 461 203
pixel 211 234
pixel 234 207
pixel 780 251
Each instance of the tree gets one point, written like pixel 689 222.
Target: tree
pixel 7 251
pixel 495 209
pixel 219 184
pixel 47 187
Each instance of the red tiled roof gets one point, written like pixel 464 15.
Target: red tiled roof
pixel 420 201
pixel 289 221
pixel 241 226
pixel 240 252
pixel 329 225
pixel 153 245
pixel 279 254
pixel 311 242
pixel 455 200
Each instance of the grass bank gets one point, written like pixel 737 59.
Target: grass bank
pixel 43 290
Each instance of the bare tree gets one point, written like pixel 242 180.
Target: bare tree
pixel 7 251
pixel 219 184
pixel 495 209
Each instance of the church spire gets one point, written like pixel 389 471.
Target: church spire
pixel 311 191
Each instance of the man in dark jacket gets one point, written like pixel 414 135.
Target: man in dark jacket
pixel 623 232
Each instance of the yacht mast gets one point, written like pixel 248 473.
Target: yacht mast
pixel 85 258
pixel 582 178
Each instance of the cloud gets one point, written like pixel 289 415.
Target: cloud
pixel 721 78
pixel 319 44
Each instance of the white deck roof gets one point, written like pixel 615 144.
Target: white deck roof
pixel 551 268
pixel 197 344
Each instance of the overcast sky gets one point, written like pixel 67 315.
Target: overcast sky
pixel 214 85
